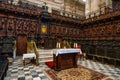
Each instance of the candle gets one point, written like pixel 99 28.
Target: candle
pixel 58 45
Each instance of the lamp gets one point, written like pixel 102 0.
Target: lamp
pixel 44 29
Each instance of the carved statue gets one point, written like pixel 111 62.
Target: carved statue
pixel 30 47
pixel 65 44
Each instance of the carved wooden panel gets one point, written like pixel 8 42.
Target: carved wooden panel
pixel 115 4
pixel 10 27
pixel 109 30
pixel 62 30
pixel 2 26
pixel 55 29
pixel 97 29
pixel 69 31
pixel 93 32
pixel 85 32
pixel 66 30
pixel 81 33
pixel 19 24
pixel 29 9
pixel 51 29
pixel 74 32
pixel 88 32
pixel 118 29
pixel 26 25
pixel 59 29
pixel 77 32
pixel 100 31
pixel 64 61
pixel 33 28
pixel 103 31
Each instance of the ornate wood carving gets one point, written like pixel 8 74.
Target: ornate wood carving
pixel 77 32
pixel 118 28
pixel 115 4
pixel 52 29
pixel 33 28
pixel 64 61
pixel 19 24
pixel 28 27
pixel 62 31
pixel 10 27
pixel 25 27
pixel 29 9
pixel 2 26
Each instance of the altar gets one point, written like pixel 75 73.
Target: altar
pixel 65 58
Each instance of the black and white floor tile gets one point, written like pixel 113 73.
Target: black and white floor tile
pixel 17 71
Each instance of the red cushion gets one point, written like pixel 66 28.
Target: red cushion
pixel 50 64
pixel 79 47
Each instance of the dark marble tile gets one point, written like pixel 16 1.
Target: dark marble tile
pixel 43 77
pixel 21 78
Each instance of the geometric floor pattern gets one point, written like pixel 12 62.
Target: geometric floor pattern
pixel 16 71
pixel 111 71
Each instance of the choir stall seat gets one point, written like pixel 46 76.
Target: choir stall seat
pixel 83 55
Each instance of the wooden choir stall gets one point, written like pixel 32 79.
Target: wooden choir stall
pixel 65 58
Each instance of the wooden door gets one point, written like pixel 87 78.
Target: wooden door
pixel 21 44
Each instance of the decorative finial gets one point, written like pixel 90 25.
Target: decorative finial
pixel 45 7
pixel 45 3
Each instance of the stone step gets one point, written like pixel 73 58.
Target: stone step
pixel 45 55
pixel 43 61
pixel 42 50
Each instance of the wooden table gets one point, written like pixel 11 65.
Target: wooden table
pixel 65 58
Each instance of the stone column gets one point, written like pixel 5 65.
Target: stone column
pixel 95 7
pixel 106 3
pixel 87 8
pixel 109 3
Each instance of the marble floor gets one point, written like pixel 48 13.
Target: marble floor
pixel 17 71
